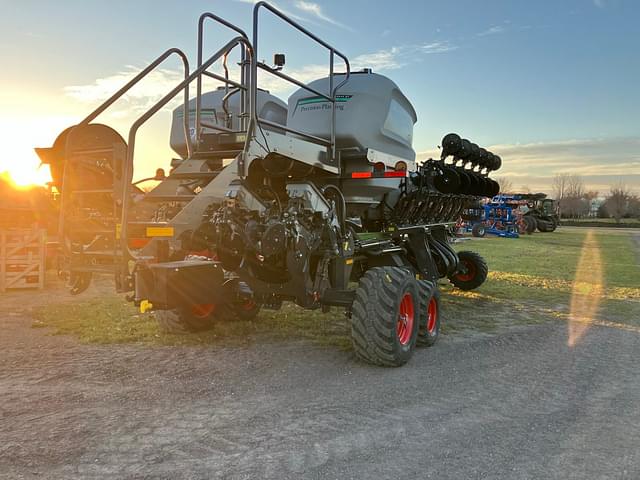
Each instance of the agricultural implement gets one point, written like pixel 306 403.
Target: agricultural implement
pixel 541 213
pixel 501 216
pixel 273 202
pixel 511 215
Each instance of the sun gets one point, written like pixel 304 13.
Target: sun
pixel 23 168
pixel 18 161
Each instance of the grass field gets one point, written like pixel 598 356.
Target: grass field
pixel 624 221
pixel 585 275
pixel 602 222
pixel 542 276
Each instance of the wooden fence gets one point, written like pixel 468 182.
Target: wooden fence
pixel 22 258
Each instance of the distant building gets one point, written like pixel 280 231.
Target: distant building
pixel 594 206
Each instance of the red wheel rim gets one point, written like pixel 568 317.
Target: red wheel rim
pixel 203 310
pixel 404 325
pixel 432 315
pixel 471 272
pixel 248 305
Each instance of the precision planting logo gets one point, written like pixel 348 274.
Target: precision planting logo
pixel 320 103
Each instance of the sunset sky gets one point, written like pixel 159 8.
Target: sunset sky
pixel 551 86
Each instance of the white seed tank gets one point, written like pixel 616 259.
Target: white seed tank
pixel 269 107
pixel 371 113
pixel 374 122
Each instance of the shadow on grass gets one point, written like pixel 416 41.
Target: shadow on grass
pixel 111 320
pixel 531 283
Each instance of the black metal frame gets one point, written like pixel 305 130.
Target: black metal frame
pixel 331 97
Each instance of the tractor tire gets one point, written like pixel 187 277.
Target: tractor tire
pixel 531 224
pixel 185 320
pixel 245 312
pixel 477 271
pixel 543 225
pixel 429 314
pixel 478 231
pixel 385 316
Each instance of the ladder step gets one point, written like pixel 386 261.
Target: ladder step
pixel 88 192
pixel 97 231
pixel 154 224
pixel 204 155
pixel 102 253
pixel 169 198
pixel 92 151
pixel 95 268
pixel 195 175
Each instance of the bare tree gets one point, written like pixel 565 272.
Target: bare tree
pixel 617 203
pixel 591 195
pixel 506 185
pixel 634 206
pixel 575 187
pixel 569 191
pixel 559 186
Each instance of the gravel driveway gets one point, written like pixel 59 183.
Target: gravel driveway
pixel 520 404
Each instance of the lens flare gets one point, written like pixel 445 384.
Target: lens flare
pixel 587 291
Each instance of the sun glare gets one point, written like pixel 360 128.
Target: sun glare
pixel 587 291
pixel 19 162
pixel 26 172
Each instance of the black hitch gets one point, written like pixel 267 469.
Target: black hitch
pixel 179 284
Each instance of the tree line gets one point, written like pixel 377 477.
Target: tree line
pixel 575 201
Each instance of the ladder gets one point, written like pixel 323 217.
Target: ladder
pixel 107 224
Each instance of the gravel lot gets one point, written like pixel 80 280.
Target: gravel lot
pixel 519 404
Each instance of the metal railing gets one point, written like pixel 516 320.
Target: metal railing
pixel 128 165
pixel 247 87
pixel 331 97
pixel 110 101
pixel 146 71
pixel 241 86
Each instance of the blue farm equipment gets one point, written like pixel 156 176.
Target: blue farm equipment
pixel 501 216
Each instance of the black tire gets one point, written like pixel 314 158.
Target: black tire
pixel 476 274
pixel 246 311
pixel 429 331
pixel 552 225
pixel 478 230
pixel 543 225
pixel 377 331
pixel 183 320
pixel 530 223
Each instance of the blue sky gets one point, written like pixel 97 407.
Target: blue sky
pixel 552 86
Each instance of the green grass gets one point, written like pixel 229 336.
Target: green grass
pixel 601 220
pixel 534 278
pixel 531 280
pixel 112 320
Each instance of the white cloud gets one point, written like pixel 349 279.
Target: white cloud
pixel 277 6
pixel 316 10
pixel 397 57
pixel 308 8
pixel 600 3
pixel 601 161
pixel 161 81
pixel 140 98
pixel 437 47
pixel 496 29
pixel 288 13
